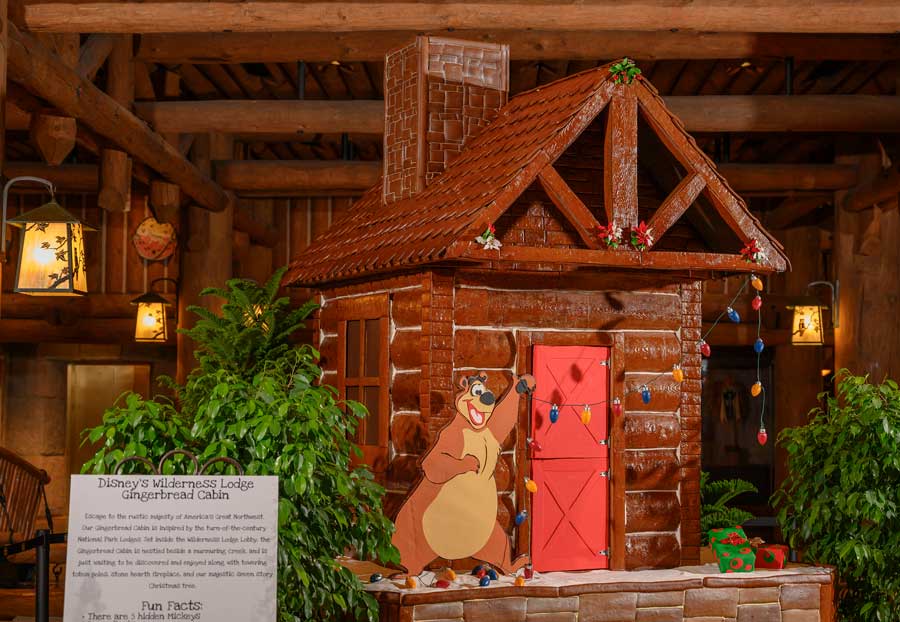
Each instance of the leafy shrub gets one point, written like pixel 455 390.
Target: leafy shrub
pixel 714 500
pixel 254 397
pixel 841 502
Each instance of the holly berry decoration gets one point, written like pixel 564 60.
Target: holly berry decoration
pixel 625 71
pixel 488 239
pixel 752 253
pixel 531 485
pixel 642 236
pixel 756 282
pixel 586 415
pixel 756 389
pixel 762 436
pixel 554 413
pixel 611 234
pixel 677 374
pixel 757 303
pixel 705 350
pixel 733 315
pixel 759 345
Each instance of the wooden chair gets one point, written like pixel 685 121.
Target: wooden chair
pixel 22 489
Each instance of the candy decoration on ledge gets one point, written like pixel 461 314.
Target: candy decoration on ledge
pixel 488 239
pixel 586 415
pixel 642 236
pixel 611 234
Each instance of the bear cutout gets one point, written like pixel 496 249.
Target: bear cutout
pixel 452 511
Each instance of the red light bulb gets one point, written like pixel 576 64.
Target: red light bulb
pixel 534 445
pixel 762 436
pixel 757 303
pixel 617 407
pixel 705 350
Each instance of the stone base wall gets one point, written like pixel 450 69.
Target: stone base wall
pixel 707 600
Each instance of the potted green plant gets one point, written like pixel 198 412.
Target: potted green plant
pixel 841 501
pixel 715 508
pixel 256 397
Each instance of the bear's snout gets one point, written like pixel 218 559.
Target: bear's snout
pixel 487 398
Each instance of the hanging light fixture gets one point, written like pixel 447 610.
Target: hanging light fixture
pixel 51 247
pixel 806 328
pixel 151 325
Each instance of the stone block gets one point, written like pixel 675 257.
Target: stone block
pixel 652 511
pixel 552 605
pixel 507 609
pixel 800 596
pixel 438 611
pixel 613 607
pixel 660 599
pixel 660 614
pixel 559 616
pixel 749 595
pixel 652 551
pixel 651 470
pixel 648 431
pixel 711 602
pixel 759 613
pixel 800 615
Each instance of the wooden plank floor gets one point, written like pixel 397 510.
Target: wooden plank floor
pixel 20 602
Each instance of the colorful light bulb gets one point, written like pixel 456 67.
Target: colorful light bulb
pixel 534 445
pixel 492 574
pixel 733 315
pixel 645 394
pixel 756 282
pixel 586 415
pixel 705 350
pixel 531 485
pixel 759 345
pixel 617 407
pixel 477 569
pixel 762 436
pixel 521 517
pixel 757 303
pixel 442 583
pixel 756 389
pixel 554 413
pixel 450 575
pixel 484 581
pixel 481 573
pixel 375 578
pixel 520 581
pixel 677 374
pixel 528 572
pixel 411 583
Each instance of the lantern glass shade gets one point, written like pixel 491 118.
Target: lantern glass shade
pixel 807 326
pixel 51 253
pixel 150 325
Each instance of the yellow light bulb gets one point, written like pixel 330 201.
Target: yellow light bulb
pixel 586 415
pixel 531 485
pixel 677 374
pixel 756 389
pixel 756 282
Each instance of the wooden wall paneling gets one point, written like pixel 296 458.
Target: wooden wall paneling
pixel 281 219
pixel 320 215
pixel 301 212
pixel 115 234
pixel 135 268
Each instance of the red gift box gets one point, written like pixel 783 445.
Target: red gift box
pixel 771 556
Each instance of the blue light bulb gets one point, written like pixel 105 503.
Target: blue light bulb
pixel 554 413
pixel 492 574
pixel 759 345
pixel 485 581
pixel 520 517
pixel 733 315
pixel 645 394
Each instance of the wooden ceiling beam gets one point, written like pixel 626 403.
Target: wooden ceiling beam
pixel 289 47
pixel 885 186
pixel 291 118
pixel 793 208
pixel 837 16
pixel 94 53
pixel 698 113
pixel 45 75
pixel 767 177
pixel 295 177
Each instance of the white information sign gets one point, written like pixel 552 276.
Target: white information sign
pixel 173 548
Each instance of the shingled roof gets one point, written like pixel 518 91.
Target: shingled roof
pixel 439 223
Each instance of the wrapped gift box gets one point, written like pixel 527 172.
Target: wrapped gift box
pixel 732 535
pixel 735 557
pixel 771 556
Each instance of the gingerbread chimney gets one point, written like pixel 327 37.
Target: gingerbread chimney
pixel 438 94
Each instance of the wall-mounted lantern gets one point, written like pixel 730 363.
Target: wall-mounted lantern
pixel 806 328
pixel 151 324
pixel 51 247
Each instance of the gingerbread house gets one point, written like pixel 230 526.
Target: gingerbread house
pixel 493 244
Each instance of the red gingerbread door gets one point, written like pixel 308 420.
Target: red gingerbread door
pixel 570 510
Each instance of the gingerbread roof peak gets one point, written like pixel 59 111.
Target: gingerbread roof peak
pixel 517 148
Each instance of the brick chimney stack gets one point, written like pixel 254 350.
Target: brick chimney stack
pixel 438 93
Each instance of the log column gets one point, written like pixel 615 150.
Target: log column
pixel 206 261
pixel 53 135
pixel 115 165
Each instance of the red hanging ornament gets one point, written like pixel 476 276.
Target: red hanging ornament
pixel 705 350
pixel 762 436
pixel 757 303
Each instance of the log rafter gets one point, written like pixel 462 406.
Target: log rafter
pixel 676 204
pixel 565 199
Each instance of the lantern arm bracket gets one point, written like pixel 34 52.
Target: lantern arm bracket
pixel 835 298
pixel 6 187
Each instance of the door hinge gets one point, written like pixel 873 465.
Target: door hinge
pixel 604 473
pixel 604 552
pixel 605 362
pixel 604 441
